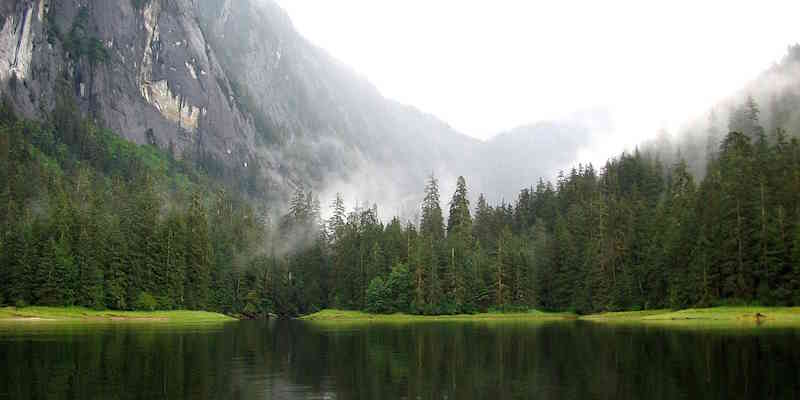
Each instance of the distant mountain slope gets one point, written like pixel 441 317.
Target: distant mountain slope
pixel 776 92
pixel 520 157
pixel 231 85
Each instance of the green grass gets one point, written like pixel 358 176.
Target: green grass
pixel 342 316
pixel 35 313
pixel 719 316
pixel 624 315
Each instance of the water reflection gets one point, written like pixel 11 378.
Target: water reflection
pixel 290 359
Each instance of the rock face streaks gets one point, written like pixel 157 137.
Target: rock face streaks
pixel 154 77
pixel 16 43
pixel 172 106
pixel 229 83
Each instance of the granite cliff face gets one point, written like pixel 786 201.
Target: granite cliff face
pixel 232 83
pixel 142 68
pixel 133 68
pixel 309 107
pixel 221 79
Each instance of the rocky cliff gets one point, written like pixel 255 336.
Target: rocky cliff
pixel 224 80
pixel 231 84
pixel 142 68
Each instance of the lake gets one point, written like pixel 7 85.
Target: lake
pixel 450 360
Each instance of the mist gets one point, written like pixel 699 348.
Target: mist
pixel 539 98
pixel 337 160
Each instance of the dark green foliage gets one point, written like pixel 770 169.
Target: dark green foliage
pixel 459 244
pixel 56 274
pixel 378 300
pixel 432 224
pixel 398 288
pixel 139 4
pixel 745 119
pixel 172 274
pixel 90 219
pixel 146 301
pixel 198 256
pixel 115 276
pixel 793 284
pixel 80 42
pixel 103 222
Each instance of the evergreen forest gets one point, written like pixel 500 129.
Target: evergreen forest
pixel 90 219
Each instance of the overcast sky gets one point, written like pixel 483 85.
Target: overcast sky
pixel 487 66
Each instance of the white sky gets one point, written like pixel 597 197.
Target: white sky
pixel 488 66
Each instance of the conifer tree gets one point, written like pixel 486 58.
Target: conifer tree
pixel 795 271
pixel 90 272
pixel 16 258
pixel 339 217
pixel 502 265
pixel 459 239
pixel 198 252
pixel 59 269
pixel 174 261
pixel 90 253
pixel 739 222
pixel 459 217
pixel 678 226
pixel 432 236
pixel 115 284
pixel 432 224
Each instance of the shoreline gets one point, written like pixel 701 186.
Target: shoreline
pixel 348 316
pixel 744 315
pixel 726 315
pixel 66 314
pixel 738 315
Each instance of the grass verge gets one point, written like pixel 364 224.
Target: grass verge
pixel 716 316
pixel 36 313
pixel 739 316
pixel 358 316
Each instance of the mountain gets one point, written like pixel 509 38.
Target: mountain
pixel 776 96
pixel 234 111
pixel 522 156
pixel 232 86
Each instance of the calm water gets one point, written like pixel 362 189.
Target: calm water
pixel 295 360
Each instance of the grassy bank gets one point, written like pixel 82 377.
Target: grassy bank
pixel 35 313
pixel 719 316
pixel 343 316
pixel 783 316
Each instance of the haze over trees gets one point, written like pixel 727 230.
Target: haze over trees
pixel 237 119
pixel 90 219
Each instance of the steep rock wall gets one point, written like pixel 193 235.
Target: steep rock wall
pixel 156 73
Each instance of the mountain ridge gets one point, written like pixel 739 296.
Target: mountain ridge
pixel 231 85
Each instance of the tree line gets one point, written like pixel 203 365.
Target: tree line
pixel 90 219
pixel 636 234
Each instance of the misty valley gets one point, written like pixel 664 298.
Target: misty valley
pixel 196 201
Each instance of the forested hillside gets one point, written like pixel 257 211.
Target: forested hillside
pixel 777 94
pixel 231 86
pixel 636 234
pixel 161 154
pixel 93 220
